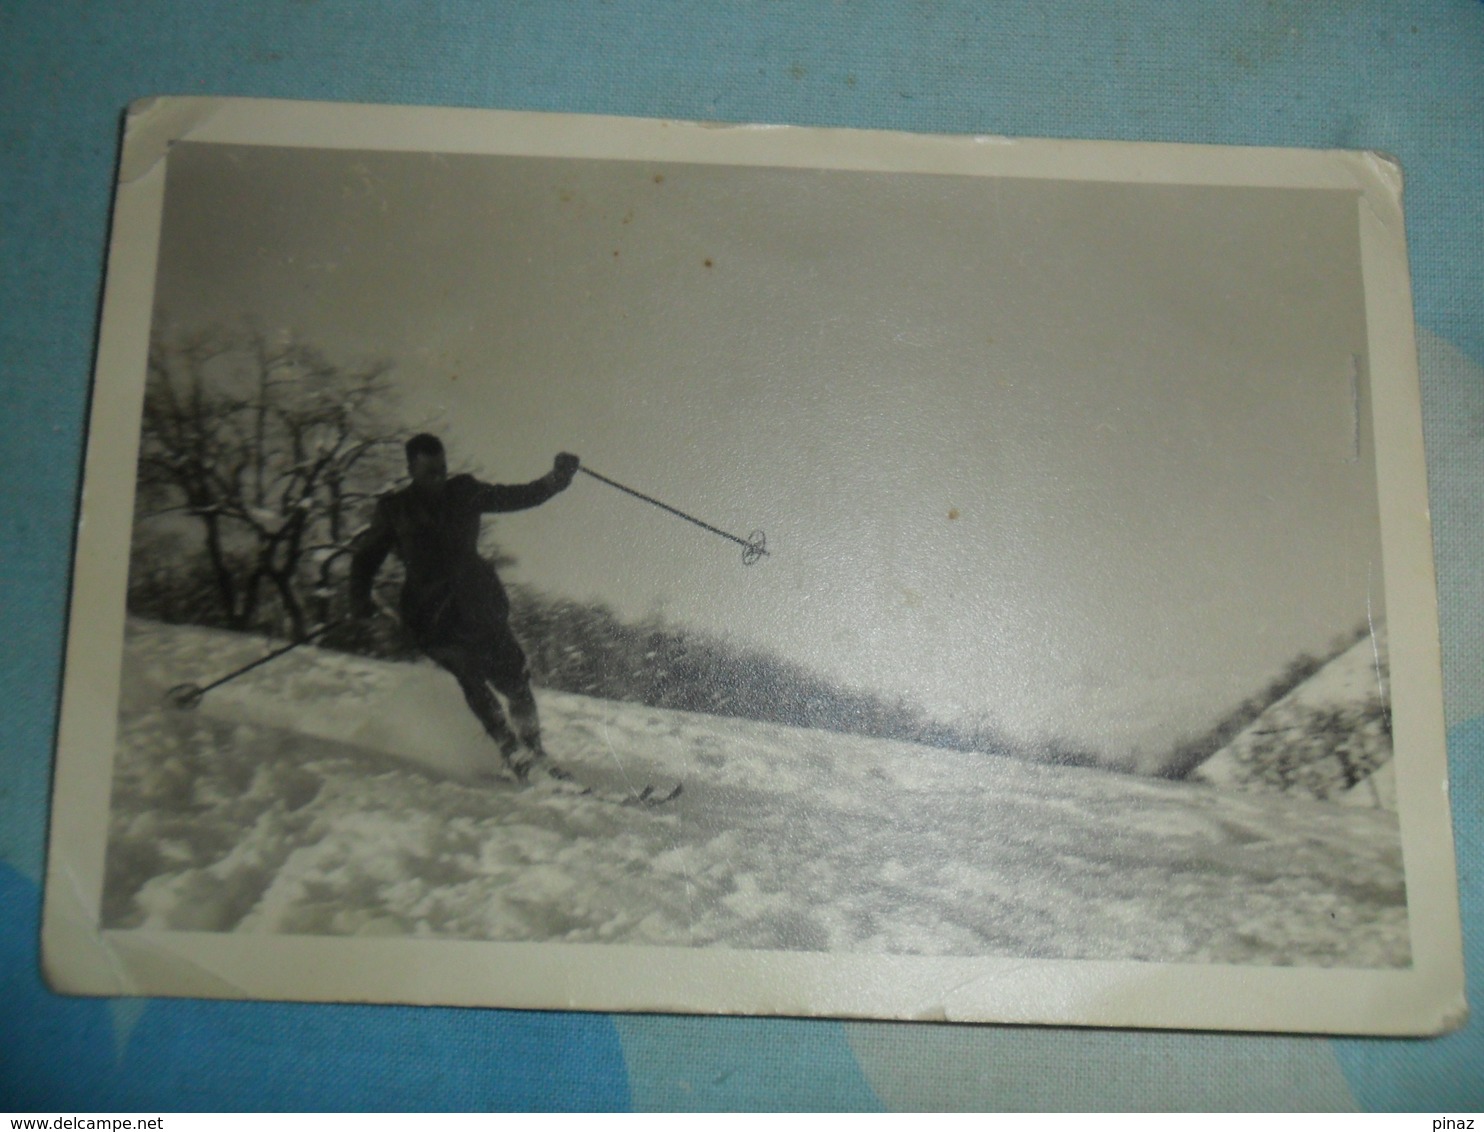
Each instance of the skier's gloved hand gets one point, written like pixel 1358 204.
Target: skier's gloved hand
pixel 563 469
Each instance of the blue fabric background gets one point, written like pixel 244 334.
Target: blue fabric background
pixel 1405 78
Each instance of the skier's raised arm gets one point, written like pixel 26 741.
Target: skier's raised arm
pixel 492 497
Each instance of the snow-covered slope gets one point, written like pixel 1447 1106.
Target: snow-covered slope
pixel 1328 739
pixel 328 794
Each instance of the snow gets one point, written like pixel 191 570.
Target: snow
pixel 330 794
pixel 1377 790
pixel 1352 687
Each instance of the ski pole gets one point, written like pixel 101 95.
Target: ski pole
pixel 188 696
pixel 754 546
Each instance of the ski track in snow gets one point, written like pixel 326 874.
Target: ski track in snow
pixel 331 794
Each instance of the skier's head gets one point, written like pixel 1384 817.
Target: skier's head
pixel 426 462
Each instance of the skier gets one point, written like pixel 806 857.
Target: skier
pixel 452 602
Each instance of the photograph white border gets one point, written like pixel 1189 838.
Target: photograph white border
pixel 80 958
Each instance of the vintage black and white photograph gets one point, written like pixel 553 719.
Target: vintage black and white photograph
pixel 647 552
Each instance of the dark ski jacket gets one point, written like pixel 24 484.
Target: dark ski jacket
pixel 450 595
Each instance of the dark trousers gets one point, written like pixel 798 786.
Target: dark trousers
pixel 490 662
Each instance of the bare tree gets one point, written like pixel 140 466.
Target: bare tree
pixel 273 449
pixel 1319 750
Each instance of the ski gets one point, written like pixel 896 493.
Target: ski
pixel 558 779
pixel 649 796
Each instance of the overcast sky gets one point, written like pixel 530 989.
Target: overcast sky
pixel 1078 457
